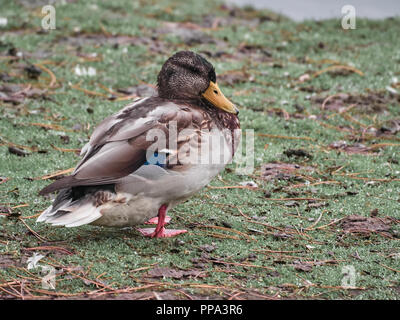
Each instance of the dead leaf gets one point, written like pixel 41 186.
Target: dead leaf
pixel 17 93
pixel 281 171
pixel 302 266
pixel 207 247
pixel 298 153
pixel 5 209
pixel 65 139
pixel 142 90
pixel 290 204
pixel 371 102
pixel 17 151
pixel 364 226
pixel 316 205
pixel 234 77
pixel 282 236
pixel 374 212
pixel 357 148
pixel 392 128
pixel 33 72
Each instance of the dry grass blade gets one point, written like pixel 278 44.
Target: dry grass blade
pixel 11 144
pixel 89 92
pixel 389 268
pixel 316 222
pixel 55 174
pixel 228 230
pixel 295 199
pixel 65 150
pixel 37 235
pixel 331 68
pixel 53 79
pixel 222 236
pixel 20 206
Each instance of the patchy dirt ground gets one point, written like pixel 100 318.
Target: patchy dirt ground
pixel 317 219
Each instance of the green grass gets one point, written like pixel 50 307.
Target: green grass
pixel 268 84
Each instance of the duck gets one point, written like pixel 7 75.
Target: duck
pixel 153 154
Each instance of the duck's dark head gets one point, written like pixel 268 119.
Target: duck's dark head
pixel 188 76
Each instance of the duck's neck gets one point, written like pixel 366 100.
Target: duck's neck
pixel 223 119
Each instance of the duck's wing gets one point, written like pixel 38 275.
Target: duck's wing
pixel 119 144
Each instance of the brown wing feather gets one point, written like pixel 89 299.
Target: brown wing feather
pixel 121 163
pixel 121 149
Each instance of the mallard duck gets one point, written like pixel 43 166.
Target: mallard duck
pixel 124 180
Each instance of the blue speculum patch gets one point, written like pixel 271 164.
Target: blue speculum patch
pixel 158 159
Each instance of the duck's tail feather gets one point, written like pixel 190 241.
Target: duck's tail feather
pixel 68 213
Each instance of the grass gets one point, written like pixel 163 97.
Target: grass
pixel 268 54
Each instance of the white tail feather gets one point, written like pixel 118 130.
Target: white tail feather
pixel 44 214
pixel 48 213
pixel 78 215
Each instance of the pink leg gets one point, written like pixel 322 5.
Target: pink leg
pixel 155 220
pixel 159 231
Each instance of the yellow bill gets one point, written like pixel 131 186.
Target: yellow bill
pixel 214 95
